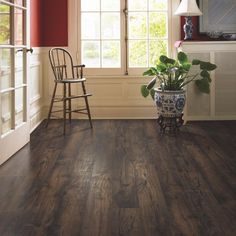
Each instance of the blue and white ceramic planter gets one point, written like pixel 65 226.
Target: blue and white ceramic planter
pixel 170 103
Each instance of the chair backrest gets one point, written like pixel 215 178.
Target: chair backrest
pixel 61 63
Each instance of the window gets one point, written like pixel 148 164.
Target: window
pixel 123 35
pixel 100 33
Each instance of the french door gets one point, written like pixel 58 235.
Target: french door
pixel 14 99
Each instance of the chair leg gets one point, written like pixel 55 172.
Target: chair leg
pixel 87 105
pixel 64 108
pixel 69 102
pixel 89 115
pixel 51 104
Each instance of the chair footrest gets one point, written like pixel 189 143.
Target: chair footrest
pixel 79 96
pixel 60 99
pixel 81 110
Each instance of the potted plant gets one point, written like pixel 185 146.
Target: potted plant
pixel 173 75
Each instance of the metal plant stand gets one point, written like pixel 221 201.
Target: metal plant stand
pixel 171 124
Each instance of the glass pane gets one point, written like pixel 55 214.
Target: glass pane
pixel 19 27
pixel 6 112
pixel 137 53
pixel 19 68
pixel 110 25
pixel 110 5
pixel 137 25
pixel 4 24
pixel 111 54
pixel 137 5
pixel 19 2
pixel 157 5
pixel 90 5
pixel 91 53
pixel 5 68
pixel 157 25
pixel 19 106
pixel 156 49
pixel 90 26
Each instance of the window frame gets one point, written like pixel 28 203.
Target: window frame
pixel 75 40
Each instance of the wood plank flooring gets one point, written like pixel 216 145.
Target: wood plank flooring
pixel 122 179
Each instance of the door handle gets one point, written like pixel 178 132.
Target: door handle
pixel 27 50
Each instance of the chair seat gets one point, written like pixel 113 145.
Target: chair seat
pixel 70 80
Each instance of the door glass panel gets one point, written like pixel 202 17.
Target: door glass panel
pixel 4 24
pixel 6 118
pixel 19 68
pixel 5 68
pixel 19 106
pixel 19 27
pixel 19 2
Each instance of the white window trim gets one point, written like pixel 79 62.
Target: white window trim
pixel 74 44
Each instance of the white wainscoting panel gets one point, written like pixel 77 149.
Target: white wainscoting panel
pixel 36 89
pixel 220 104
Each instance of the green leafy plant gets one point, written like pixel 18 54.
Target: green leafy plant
pixel 175 74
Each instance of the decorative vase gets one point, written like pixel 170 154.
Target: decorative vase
pixel 170 103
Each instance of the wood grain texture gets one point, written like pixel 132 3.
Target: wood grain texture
pixel 122 179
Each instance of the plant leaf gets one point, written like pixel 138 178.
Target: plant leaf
pixel 148 72
pixel 206 74
pixel 182 57
pixel 151 83
pixel 196 62
pixel 161 67
pixel 163 59
pixel 207 66
pixel 166 60
pixel 187 66
pixel 152 93
pixel 203 85
pixel 144 91
pixel 171 61
pixel 154 71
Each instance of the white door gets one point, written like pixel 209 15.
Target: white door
pixel 14 94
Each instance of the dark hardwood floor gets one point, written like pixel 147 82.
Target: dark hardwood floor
pixel 122 179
